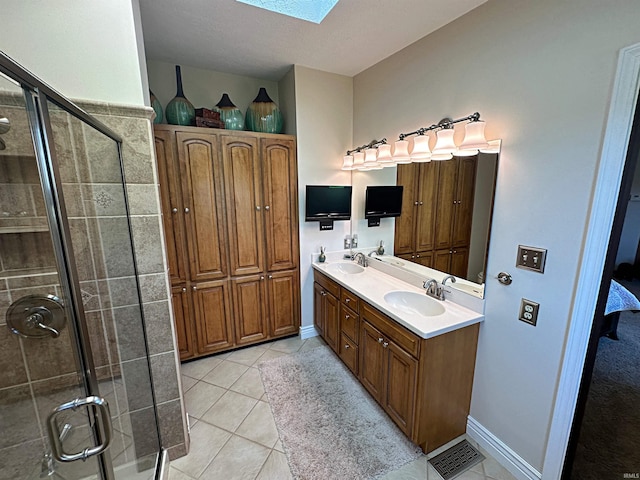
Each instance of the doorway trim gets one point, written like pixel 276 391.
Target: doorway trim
pixel 605 198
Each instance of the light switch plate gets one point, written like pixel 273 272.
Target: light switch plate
pixel 529 311
pixel 531 258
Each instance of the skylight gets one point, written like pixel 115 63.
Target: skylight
pixel 309 10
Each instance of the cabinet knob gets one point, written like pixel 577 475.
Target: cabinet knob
pixel 380 340
pixel 346 317
pixel 266 207
pixel 258 207
pixel 418 256
pixel 194 288
pixel 270 277
pixel 413 256
pixel 385 344
pixel 174 210
pixel 346 345
pixel 421 203
pixel 347 300
pixel 184 289
pixel 186 210
pixel 261 277
pixel 323 293
pixel 415 203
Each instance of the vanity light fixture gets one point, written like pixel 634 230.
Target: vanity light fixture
pixel 445 147
pixel 368 157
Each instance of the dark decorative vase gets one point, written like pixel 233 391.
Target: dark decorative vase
pixel 263 115
pixel 229 113
pixel 157 107
pixel 180 111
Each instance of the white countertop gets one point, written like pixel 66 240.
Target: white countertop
pixel 371 285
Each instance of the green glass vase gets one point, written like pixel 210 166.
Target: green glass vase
pixel 180 111
pixel 229 113
pixel 263 115
pixel 157 107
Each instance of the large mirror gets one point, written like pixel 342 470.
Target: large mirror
pixel 445 224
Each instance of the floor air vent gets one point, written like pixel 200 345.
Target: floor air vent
pixel 455 460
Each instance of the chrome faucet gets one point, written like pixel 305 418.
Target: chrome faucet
pixel 360 259
pixel 448 277
pixel 433 290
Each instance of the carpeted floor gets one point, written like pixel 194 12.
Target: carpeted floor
pixel 328 424
pixel 609 444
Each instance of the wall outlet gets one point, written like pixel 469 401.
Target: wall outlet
pixel 347 241
pixel 529 311
pixel 531 258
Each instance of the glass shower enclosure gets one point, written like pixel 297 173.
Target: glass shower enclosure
pixel 76 395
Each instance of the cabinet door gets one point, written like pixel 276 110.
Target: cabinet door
pixel 442 260
pixel 331 311
pixel 182 319
pixel 201 174
pixel 284 303
pixel 465 190
pixel 427 205
pixel 372 356
pixel 280 190
pixel 244 204
pixel 404 232
pixel 459 262
pixel 171 201
pixel 424 258
pixel 318 314
pixel 249 305
pixel 348 352
pixel 214 330
pixel 446 207
pixel 400 386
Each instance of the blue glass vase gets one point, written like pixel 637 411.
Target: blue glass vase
pixel 263 115
pixel 180 111
pixel 229 113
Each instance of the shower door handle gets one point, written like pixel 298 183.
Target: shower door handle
pixel 103 418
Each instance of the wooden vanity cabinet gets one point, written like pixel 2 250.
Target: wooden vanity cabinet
pixel 230 213
pixel 326 317
pixel 424 385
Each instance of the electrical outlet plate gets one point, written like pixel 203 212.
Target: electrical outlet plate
pixel 529 311
pixel 531 258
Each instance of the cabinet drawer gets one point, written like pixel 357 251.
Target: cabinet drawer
pixel 349 323
pixel 328 284
pixel 350 300
pixel 397 333
pixel 348 352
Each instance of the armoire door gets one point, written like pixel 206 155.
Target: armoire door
pixel 280 203
pixel 250 308
pixel 171 201
pixel 446 197
pixel 404 241
pixel 201 174
pixel 284 302
pixel 214 330
pixel 427 205
pixel 181 301
pixel 245 212
pixel 465 189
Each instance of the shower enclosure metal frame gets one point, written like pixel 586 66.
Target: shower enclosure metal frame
pixel 35 94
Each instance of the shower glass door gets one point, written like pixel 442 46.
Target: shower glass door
pixel 71 323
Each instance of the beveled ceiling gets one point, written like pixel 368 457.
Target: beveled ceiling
pixel 233 37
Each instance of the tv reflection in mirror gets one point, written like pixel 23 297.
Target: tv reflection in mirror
pixel 382 202
pixel 327 203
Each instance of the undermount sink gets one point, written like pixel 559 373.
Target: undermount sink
pixel 414 303
pixel 345 267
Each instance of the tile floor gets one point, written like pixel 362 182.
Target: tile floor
pixel 233 434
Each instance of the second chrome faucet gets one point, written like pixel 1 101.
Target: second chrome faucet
pixel 433 289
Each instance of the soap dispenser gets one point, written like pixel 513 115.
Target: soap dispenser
pixel 322 257
pixel 380 250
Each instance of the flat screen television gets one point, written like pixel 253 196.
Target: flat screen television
pixel 383 201
pixel 328 202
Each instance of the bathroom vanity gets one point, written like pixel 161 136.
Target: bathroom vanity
pixel 415 355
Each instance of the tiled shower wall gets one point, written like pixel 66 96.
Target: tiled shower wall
pixel 27 389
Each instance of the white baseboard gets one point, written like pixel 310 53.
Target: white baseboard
pixel 308 331
pixel 501 452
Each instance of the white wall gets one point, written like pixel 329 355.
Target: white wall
pixel 287 97
pixel 324 121
pixel 540 73
pixel 204 88
pixel 85 50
